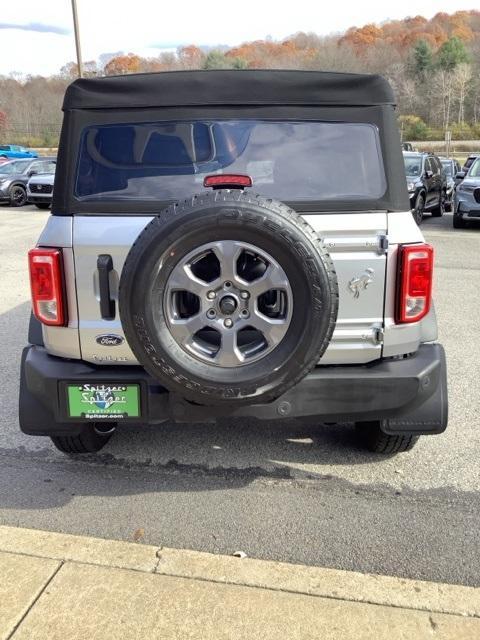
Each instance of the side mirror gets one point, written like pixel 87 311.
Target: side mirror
pixel 32 173
pixel 460 175
pixel 428 174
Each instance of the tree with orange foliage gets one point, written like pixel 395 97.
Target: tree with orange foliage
pixel 120 65
pixel 191 57
pixel 363 37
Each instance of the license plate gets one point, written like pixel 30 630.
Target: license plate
pixel 103 401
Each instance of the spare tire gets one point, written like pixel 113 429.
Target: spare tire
pixel 228 297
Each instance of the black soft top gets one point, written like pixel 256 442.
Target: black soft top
pixel 228 87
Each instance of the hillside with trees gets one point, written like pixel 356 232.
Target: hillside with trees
pixel 433 65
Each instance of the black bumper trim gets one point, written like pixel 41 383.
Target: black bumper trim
pixel 409 394
pixel 47 199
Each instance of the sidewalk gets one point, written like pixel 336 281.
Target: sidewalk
pixel 62 587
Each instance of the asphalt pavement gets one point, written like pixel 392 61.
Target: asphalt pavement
pixel 286 491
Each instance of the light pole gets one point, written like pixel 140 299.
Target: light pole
pixel 77 38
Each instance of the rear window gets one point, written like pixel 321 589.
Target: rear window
pixel 470 161
pixel 475 169
pixel 293 161
pixel 447 167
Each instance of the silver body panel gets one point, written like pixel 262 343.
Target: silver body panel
pixel 363 246
pixel 63 341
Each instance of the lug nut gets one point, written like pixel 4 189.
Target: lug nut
pixel 245 314
pixel 211 295
pixel 227 284
pixel 228 323
pixel 245 295
pixel 211 313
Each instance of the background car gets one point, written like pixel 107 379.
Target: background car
pixel 15 151
pixel 451 167
pixel 14 176
pixel 469 161
pixel 426 183
pixel 40 190
pixel 467 198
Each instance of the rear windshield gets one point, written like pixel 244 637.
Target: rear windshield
pixel 447 167
pixel 292 161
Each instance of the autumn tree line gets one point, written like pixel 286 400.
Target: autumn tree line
pixel 433 66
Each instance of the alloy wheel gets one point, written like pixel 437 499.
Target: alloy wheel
pixel 228 303
pixel 18 196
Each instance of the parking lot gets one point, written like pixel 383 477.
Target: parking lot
pixel 287 491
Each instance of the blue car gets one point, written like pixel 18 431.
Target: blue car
pixel 15 151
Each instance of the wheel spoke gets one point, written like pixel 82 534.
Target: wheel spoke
pixel 184 329
pixel 273 329
pixel 227 252
pixel 229 354
pixel 273 278
pixel 182 279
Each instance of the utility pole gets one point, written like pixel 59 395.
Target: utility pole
pixel 77 39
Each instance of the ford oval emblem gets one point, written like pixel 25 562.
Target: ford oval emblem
pixel 109 340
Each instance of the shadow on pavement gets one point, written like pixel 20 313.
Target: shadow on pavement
pixel 167 457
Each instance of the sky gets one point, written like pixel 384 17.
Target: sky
pixel 36 36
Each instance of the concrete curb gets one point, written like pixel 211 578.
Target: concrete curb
pixel 276 576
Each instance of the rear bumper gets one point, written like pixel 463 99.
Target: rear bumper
pixel 409 393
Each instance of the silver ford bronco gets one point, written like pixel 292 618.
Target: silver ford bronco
pixel 231 243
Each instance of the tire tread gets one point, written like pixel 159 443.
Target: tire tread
pixel 86 442
pixel 378 441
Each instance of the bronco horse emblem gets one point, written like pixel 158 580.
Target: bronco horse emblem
pixel 357 284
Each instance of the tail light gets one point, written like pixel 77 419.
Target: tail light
pixel 46 281
pixel 414 282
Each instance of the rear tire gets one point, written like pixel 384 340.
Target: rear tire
pixel 89 441
pixel 374 439
pixel 458 222
pixel 42 205
pixel 439 210
pixel 419 208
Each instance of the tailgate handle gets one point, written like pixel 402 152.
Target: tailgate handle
pixel 107 305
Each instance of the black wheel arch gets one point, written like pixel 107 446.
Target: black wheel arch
pixel 18 183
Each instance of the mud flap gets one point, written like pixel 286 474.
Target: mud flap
pixel 430 417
